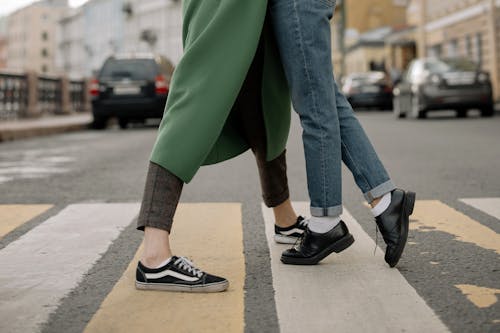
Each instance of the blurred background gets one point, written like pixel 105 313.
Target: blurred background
pixel 60 46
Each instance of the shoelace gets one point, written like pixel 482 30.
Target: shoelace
pixel 186 264
pixel 304 222
pixel 376 239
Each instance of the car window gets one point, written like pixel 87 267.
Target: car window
pixel 450 65
pixel 134 69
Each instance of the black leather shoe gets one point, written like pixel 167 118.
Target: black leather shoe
pixel 314 247
pixel 394 223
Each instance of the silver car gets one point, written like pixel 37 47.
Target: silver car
pixel 443 84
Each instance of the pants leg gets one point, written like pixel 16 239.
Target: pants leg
pixel 161 197
pixel 331 132
pixel 250 119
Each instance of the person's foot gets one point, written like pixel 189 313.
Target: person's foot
pixel 289 235
pixel 179 274
pixel 394 222
pixel 314 247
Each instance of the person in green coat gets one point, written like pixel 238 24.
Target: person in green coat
pixel 228 94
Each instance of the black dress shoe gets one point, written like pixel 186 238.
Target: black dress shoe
pixel 314 247
pixel 394 222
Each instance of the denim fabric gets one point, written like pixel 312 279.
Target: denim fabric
pixel 331 132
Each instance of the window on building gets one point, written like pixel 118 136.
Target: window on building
pixel 45 35
pixel 452 49
pixel 478 48
pixel 468 46
pixel 435 51
pixel 44 69
pixel 45 53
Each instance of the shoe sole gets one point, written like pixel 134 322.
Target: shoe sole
pixel 408 206
pixel 282 239
pixel 209 288
pixel 336 247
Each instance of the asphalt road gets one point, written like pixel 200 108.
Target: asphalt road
pixel 441 158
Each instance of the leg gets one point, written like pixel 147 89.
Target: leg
pixel 250 121
pixel 306 57
pixel 154 270
pixel 161 197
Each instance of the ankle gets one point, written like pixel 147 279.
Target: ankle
pixel 153 261
pixel 285 221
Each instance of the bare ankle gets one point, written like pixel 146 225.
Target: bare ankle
pixel 153 261
pixel 284 215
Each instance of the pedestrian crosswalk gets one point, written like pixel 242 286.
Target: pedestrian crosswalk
pixel 345 293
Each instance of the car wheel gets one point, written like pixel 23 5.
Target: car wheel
pixel 99 122
pixel 123 122
pixel 488 112
pixel 397 109
pixel 416 111
pixel 462 113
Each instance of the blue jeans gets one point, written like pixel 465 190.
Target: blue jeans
pixel 331 132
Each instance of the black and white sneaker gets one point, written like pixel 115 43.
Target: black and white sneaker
pixel 179 274
pixel 290 234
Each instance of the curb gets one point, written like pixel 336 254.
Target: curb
pixel 12 131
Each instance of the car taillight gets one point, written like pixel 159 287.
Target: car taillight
pixel 387 88
pixel 94 88
pixel 161 85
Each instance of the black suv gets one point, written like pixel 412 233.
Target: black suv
pixel 131 88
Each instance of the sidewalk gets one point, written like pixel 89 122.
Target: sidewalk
pixel 26 128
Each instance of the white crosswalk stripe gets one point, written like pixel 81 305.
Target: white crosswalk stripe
pixel 41 267
pixel 490 206
pixel 351 292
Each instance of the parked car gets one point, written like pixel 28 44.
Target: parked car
pixel 131 88
pixel 371 89
pixel 443 84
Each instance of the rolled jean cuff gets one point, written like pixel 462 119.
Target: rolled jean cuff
pixel 379 191
pixel 327 211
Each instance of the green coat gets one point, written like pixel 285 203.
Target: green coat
pixel 220 41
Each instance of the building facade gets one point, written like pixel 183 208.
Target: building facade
pixel 89 34
pixel 460 28
pixel 358 29
pixel 31 36
pixel 3 42
pixel 101 28
pixel 155 26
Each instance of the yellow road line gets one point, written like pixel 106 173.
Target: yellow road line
pixel 12 216
pixel 481 297
pixel 211 235
pixel 433 215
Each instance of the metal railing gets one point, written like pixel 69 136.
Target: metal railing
pixel 31 95
pixel 13 96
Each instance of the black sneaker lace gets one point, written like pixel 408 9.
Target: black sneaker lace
pixel 185 264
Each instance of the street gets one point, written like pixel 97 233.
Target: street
pixel 70 202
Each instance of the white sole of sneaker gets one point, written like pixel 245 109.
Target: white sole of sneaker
pixel 210 288
pixel 282 239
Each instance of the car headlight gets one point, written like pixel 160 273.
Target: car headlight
pixel 435 79
pixel 483 78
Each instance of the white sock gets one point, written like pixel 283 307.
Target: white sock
pixel 382 205
pixel 323 224
pixel 164 263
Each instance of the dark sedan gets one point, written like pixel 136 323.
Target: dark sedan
pixel 130 88
pixel 443 84
pixel 368 90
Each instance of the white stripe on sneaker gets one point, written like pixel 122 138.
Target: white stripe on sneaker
pixel 291 232
pixel 168 272
pixel 45 264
